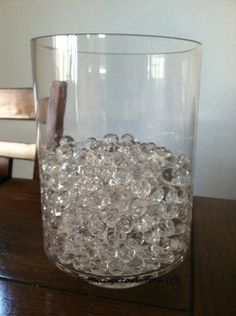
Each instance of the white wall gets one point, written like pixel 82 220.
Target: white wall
pixel 212 22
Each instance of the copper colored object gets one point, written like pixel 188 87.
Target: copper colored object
pixel 17 104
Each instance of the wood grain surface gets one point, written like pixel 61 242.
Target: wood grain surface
pixel 29 300
pixel 17 150
pixel 17 103
pixel 215 257
pixel 27 275
pixel 5 168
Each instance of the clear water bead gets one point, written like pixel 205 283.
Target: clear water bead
pixel 145 223
pixel 185 212
pixel 157 195
pixel 177 244
pixel 85 183
pixel 162 245
pixel 138 207
pixel 115 207
pixel 96 226
pixel 66 140
pixel 120 200
pixel 182 196
pixel 66 258
pixel 110 216
pixel 127 137
pixel 111 138
pixel 180 227
pixel 167 259
pixel 147 148
pixel 116 267
pixel 100 199
pixel 117 158
pixel 82 255
pixel 166 228
pixel 141 188
pixel 135 237
pixel 171 211
pixel 125 223
pixel 107 253
pixel 113 237
pixel 151 257
pixel 89 143
pixel 111 141
pixel 135 266
pixel 126 253
pixel 156 209
pixel 171 195
pixel 98 266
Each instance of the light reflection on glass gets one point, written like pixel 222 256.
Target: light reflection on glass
pixel 101 35
pixel 66 60
pixel 3 301
pixel 155 67
pixel 102 70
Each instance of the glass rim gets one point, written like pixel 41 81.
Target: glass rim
pixel 197 44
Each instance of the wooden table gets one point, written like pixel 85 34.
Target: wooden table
pixel 204 284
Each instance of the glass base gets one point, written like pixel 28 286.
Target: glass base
pixel 123 282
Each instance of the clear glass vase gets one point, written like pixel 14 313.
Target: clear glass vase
pixel 115 138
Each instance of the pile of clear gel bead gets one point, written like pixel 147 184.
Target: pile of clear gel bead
pixel 115 207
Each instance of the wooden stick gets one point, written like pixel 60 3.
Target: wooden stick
pixel 56 111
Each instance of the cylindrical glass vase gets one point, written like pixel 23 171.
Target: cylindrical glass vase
pixel 115 138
